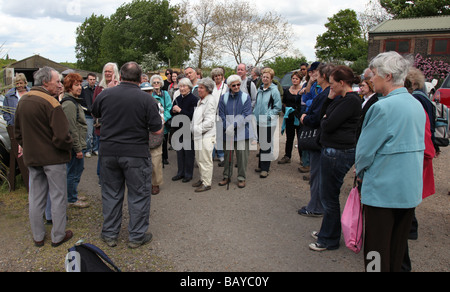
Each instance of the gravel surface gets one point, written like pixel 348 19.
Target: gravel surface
pixel 255 229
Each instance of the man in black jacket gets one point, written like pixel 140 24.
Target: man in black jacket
pixel 128 114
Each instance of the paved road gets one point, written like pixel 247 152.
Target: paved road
pixel 257 229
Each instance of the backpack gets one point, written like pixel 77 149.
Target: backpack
pixel 244 97
pixel 441 133
pixel 86 257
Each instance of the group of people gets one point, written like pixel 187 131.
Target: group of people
pixel 206 117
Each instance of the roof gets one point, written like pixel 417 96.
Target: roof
pixel 35 62
pixel 419 24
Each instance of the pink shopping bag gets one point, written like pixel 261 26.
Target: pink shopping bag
pixel 352 221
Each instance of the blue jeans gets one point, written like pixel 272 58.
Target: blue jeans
pixel 90 142
pixel 75 169
pixel 334 165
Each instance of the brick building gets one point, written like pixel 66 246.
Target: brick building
pixel 427 36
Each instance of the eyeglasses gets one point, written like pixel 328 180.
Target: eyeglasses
pixel 235 85
pixel 156 82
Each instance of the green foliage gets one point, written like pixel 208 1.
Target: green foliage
pixel 134 30
pixel 87 47
pixel 416 8
pixel 343 40
pixel 281 65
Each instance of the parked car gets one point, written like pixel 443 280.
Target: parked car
pixel 442 95
pixel 5 142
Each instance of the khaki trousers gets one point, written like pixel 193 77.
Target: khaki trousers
pixel 203 154
pixel 157 165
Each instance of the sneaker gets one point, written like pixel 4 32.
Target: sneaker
pixel 264 174
pixel 315 235
pixel 79 204
pixel 111 242
pixel 88 155
pixel 284 160
pixel 202 188
pixel 224 182
pixel 307 213
pixel 241 184
pixel 317 246
pixel 135 244
pixel 304 169
pixel 95 153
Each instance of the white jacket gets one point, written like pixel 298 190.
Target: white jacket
pixel 204 119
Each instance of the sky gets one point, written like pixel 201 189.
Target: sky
pixel 48 27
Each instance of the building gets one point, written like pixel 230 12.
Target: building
pixel 427 36
pixel 31 64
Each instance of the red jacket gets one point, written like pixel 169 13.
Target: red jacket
pixel 428 176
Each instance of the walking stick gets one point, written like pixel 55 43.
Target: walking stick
pixel 230 164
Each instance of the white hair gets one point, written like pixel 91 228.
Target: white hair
pixel 185 81
pixel 391 63
pixel 154 77
pixel 116 74
pixel 208 83
pixel 234 78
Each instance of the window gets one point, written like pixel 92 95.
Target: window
pixel 400 46
pixel 441 47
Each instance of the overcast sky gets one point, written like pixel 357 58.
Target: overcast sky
pixel 47 27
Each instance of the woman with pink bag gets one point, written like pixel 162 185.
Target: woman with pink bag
pixel 389 160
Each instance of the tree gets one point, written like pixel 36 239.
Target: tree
pixel 87 47
pixel 283 65
pixel 204 31
pixel 372 16
pixel 139 28
pixel 271 38
pixel 416 8
pixel 343 40
pixel 244 33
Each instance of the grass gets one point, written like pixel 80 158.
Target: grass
pixel 18 253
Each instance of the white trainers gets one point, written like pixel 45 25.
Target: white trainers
pixel 88 155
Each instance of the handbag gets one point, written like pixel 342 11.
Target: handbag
pixel 156 140
pixel 352 221
pixel 308 139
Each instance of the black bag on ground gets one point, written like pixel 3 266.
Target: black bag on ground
pixel 86 257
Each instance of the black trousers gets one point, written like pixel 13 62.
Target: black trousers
pixel 386 232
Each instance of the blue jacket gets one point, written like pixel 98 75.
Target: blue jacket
pixel 10 105
pixel 233 110
pixel 308 98
pixel 312 118
pixel 165 100
pixel 266 114
pixel 390 151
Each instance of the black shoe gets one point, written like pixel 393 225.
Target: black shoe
pixel 188 179
pixel 165 161
pixel 221 164
pixel 177 177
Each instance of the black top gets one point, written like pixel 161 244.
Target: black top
pixel 338 127
pixel 127 114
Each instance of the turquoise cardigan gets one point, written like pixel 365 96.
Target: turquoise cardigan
pixel 390 152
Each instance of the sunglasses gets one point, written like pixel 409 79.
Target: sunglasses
pixel 235 85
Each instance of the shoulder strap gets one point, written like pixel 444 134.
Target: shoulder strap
pixel 69 98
